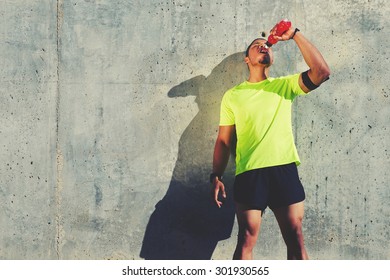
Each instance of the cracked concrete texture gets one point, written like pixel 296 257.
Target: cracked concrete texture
pixel 109 116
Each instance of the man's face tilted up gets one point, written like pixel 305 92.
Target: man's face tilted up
pixel 258 53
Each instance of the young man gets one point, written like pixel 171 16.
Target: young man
pixel 258 111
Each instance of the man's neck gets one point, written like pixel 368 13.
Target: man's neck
pixel 257 75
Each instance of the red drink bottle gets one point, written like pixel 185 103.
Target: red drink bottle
pixel 280 28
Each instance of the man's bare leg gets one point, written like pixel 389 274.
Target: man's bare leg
pixel 290 222
pixel 248 231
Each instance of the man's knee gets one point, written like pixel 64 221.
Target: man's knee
pixel 293 231
pixel 248 238
pixel 296 223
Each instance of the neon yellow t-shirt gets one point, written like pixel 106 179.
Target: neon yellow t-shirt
pixel 261 113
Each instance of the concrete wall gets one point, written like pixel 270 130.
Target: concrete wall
pixel 110 111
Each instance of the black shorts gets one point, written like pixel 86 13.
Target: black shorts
pixel 275 187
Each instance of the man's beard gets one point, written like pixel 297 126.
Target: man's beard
pixel 266 60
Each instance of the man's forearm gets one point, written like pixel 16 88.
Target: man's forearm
pixel 221 157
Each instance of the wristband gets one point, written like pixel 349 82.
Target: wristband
pixel 295 32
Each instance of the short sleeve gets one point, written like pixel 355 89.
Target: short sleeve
pixel 294 83
pixel 226 113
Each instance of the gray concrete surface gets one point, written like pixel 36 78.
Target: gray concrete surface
pixel 109 115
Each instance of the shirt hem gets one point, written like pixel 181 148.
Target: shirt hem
pixel 297 162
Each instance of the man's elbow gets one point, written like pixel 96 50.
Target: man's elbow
pixel 323 73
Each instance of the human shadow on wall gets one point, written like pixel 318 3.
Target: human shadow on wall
pixel 186 224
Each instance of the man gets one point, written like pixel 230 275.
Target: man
pixel 258 111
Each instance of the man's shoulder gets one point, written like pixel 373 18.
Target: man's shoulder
pixel 238 86
pixel 288 84
pixel 284 78
pixel 235 88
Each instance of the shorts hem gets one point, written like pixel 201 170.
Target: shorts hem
pixel 286 205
